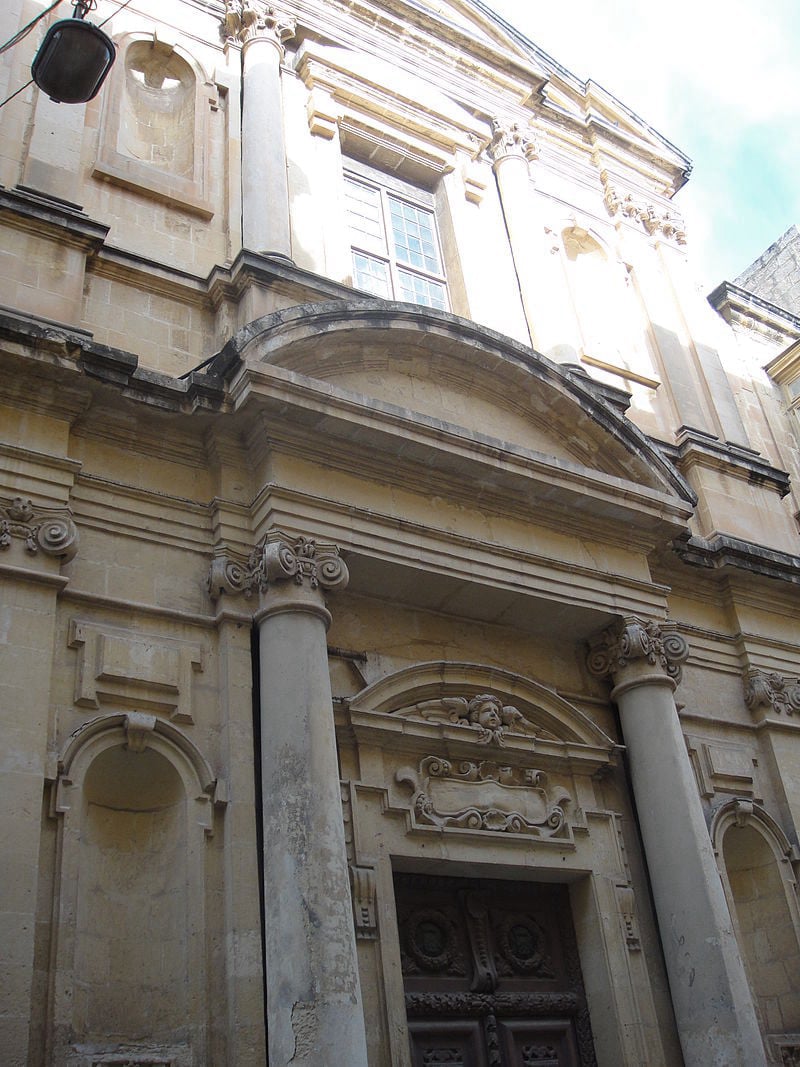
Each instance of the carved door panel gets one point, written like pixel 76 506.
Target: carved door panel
pixel 491 974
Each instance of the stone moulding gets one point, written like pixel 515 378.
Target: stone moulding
pixel 49 531
pixel 483 796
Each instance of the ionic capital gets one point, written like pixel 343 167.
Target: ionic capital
pixel 511 140
pixel 639 652
pixel 247 20
pixel 772 692
pixel 52 533
pixel 292 566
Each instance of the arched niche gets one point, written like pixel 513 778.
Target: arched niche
pixel 754 858
pixel 597 283
pixel 155 124
pixel 135 798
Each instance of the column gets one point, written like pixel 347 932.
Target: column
pixel 713 1005
pixel 265 188
pixel 511 151
pixel 314 1008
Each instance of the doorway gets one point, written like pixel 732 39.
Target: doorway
pixel 491 974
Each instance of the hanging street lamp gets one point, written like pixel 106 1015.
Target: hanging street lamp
pixel 74 58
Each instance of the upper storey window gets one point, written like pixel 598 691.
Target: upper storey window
pixel 395 246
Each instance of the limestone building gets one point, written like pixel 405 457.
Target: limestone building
pixel 399 563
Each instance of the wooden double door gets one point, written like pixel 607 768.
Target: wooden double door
pixel 491 974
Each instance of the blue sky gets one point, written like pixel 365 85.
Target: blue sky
pixel 718 78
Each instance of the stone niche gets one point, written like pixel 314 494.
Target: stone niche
pixel 135 801
pixel 155 128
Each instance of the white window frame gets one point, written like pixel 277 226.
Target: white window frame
pixel 383 249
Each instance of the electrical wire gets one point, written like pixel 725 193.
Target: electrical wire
pixel 21 34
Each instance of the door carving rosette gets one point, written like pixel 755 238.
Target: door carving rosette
pixel 480 796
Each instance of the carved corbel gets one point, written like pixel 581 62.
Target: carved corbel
pixel 138 730
pixel 365 911
pixel 626 902
pixel 53 533
pixel 771 691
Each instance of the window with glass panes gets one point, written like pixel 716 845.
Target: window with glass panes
pixel 395 245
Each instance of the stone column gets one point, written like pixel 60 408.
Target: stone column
pixel 314 1008
pixel 713 1005
pixel 511 151
pixel 265 189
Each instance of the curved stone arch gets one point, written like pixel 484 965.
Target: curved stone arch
pixel 441 678
pixel 322 341
pixel 188 184
pixel 132 868
pixel 742 812
pixel 138 731
pixel 761 888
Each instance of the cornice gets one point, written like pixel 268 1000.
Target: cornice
pixel 750 312
pixel 696 448
pixel 722 552
pixel 51 217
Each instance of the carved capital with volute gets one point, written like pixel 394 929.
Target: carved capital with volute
pixel 287 574
pixel 638 652
pixel 248 20
pixel 511 140
pixel 46 531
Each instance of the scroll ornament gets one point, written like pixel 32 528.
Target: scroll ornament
pixel 771 691
pixel 661 646
pixel 486 796
pixel 53 534
pixel 277 559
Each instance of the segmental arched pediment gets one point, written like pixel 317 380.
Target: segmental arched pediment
pixel 482 705
pixel 455 376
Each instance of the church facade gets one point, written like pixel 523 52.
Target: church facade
pixel 399 561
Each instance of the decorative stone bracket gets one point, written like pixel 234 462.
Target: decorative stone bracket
pixel 51 532
pixel 279 558
pixel 771 692
pixel 365 911
pixel 486 796
pixel 654 222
